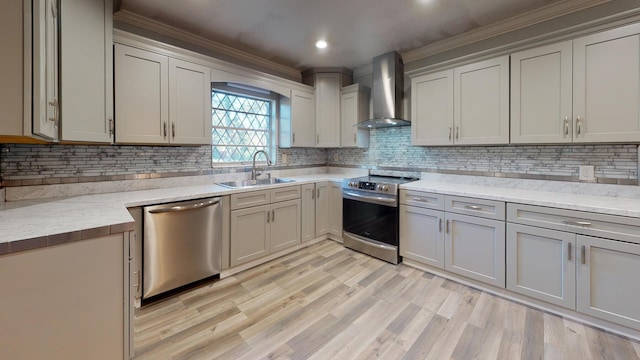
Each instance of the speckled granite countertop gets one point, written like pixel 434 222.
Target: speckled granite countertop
pixel 32 224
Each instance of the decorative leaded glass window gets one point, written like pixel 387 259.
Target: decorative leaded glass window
pixel 241 125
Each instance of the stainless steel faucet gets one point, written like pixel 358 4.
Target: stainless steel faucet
pixel 253 167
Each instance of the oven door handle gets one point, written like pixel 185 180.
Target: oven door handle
pixel 380 200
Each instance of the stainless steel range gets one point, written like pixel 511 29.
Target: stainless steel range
pixel 370 216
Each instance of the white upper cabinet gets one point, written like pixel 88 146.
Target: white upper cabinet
pixel 432 109
pixel 86 70
pixel 541 95
pixel 303 118
pixel 606 86
pixel 327 96
pixel 354 105
pixel 141 93
pixel 481 102
pixel 189 103
pixel 160 100
pixel 467 105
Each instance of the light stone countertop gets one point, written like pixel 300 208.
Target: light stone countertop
pixel 31 224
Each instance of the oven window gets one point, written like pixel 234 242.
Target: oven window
pixel 377 222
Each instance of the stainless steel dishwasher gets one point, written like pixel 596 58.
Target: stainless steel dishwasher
pixel 182 243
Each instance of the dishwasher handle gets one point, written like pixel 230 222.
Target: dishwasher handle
pixel 193 206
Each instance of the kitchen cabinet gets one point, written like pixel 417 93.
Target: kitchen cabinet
pixel 160 100
pixel 584 90
pixel 541 95
pixel 354 107
pixel 308 218
pixel 298 119
pixel 461 235
pixel 322 208
pixel 335 210
pixel 327 95
pixel 86 71
pixel 76 301
pixel 466 105
pixel 589 261
pixel 432 109
pixel 264 222
pixel 481 102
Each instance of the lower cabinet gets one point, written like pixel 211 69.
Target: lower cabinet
pixel 257 231
pixel 308 221
pixel 321 210
pixel 335 210
pixel 465 236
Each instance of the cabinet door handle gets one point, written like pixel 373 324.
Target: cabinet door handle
pixel 313 194
pixel 439 224
pixel 457 132
pixel 268 214
pixel 164 129
pixel 583 250
pixel 294 138
pixel 576 223
pixel 447 227
pixel 173 130
pixel 449 133
pixel 473 207
pixel 273 215
pixel 54 103
pixel 578 125
pixel 566 126
pixel 318 195
pixel 569 251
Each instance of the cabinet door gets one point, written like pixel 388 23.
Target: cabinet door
pixel 86 70
pixel 481 102
pixel 432 109
pixel 327 110
pixel 422 235
pixel 141 93
pixel 45 69
pixel 606 86
pixel 322 208
pixel 285 224
pixel 541 95
pixel 250 234
pixel 541 264
pixel 308 217
pixel 607 280
pixel 475 248
pixel 335 209
pixel 303 119
pixel 189 103
pixel 354 107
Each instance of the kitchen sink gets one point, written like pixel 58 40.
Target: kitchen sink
pixel 249 183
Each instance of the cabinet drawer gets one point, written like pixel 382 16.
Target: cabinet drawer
pixel 422 199
pixel 580 222
pixel 285 193
pixel 489 209
pixel 250 198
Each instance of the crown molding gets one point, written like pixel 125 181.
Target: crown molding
pixel 548 12
pixel 157 27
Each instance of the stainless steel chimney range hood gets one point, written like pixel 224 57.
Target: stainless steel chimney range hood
pixel 387 92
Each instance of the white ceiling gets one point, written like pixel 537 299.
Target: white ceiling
pixel 285 31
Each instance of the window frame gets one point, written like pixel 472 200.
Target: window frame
pixel 247 91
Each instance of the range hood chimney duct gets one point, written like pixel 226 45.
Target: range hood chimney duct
pixel 387 92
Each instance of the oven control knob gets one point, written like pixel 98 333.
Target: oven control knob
pixel 352 183
pixel 385 188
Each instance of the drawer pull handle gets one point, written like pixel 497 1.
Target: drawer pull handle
pixel 583 250
pixel 569 251
pixel 576 223
pixel 421 199
pixel 473 207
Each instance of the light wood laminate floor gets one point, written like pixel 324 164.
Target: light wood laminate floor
pixel 328 302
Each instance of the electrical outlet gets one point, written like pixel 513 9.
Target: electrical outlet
pixel 284 158
pixel 587 173
pixel 335 157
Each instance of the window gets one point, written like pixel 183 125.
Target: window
pixel 241 125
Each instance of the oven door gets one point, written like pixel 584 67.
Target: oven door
pixel 370 216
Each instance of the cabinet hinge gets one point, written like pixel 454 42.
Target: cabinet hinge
pixel 111 126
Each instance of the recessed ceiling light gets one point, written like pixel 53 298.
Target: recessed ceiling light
pixel 321 44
